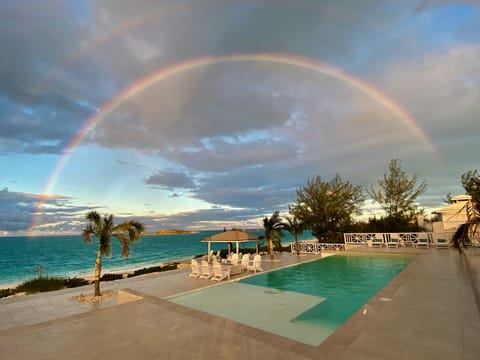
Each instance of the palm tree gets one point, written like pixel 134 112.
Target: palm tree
pixel 273 230
pixel 103 230
pixel 295 228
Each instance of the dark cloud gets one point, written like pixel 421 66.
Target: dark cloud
pixel 170 180
pixel 244 134
pixel 205 219
pixel 221 155
pixel 18 211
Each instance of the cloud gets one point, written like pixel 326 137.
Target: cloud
pixel 170 180
pixel 239 135
pixel 17 211
pixel 205 219
pixel 42 101
pixel 445 100
pixel 221 155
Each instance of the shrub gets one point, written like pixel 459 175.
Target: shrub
pixel 76 282
pixel 44 284
pixel 40 285
pixel 154 269
pixel 6 292
pixel 111 277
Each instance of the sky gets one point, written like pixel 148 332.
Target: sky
pixel 205 114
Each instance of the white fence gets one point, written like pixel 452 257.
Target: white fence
pixel 370 239
pixel 314 247
pixel 405 238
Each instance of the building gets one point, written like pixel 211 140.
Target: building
pixel 450 217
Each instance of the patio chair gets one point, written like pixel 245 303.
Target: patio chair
pixel 256 264
pixel 213 256
pixel 206 270
pixel 245 261
pixel 442 243
pixel 195 270
pixel 220 273
pixel 377 241
pixel 393 242
pixel 235 260
pixel 422 242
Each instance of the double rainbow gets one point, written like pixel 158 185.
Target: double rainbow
pixel 108 107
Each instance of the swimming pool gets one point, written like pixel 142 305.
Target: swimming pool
pixel 305 302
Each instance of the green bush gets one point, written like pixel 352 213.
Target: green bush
pixel 76 282
pixel 111 277
pixel 153 269
pixel 44 284
pixel 40 285
pixel 6 292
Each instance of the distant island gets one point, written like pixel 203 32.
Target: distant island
pixel 171 232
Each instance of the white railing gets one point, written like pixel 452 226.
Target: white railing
pixel 305 247
pixel 314 247
pixel 332 246
pixel 404 238
pixel 358 238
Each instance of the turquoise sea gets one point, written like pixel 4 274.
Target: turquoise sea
pixel 21 258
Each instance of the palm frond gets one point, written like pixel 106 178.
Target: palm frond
pixel 124 242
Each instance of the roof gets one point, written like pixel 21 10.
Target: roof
pixel 231 236
pixel 461 198
pixel 458 202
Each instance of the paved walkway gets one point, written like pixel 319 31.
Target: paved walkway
pixel 427 312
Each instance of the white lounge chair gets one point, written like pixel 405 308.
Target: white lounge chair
pixel 442 244
pixel 393 242
pixel 256 264
pixel 422 242
pixel 245 261
pixel 220 273
pixel 206 270
pixel 377 241
pixel 213 257
pixel 235 260
pixel 195 270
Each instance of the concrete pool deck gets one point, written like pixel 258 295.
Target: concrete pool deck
pixel 429 311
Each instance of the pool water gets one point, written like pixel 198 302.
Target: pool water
pixel 346 282
pixel 305 302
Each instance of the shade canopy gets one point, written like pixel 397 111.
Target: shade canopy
pixel 231 236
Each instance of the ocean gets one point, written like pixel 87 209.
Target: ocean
pixel 25 258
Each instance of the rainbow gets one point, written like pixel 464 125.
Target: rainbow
pixel 164 73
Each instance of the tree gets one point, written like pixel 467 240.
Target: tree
pixel 327 207
pixel 448 199
pixel 104 229
pixel 469 230
pixel 397 193
pixel 273 230
pixel 294 227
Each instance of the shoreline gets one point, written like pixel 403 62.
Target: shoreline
pixel 89 275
